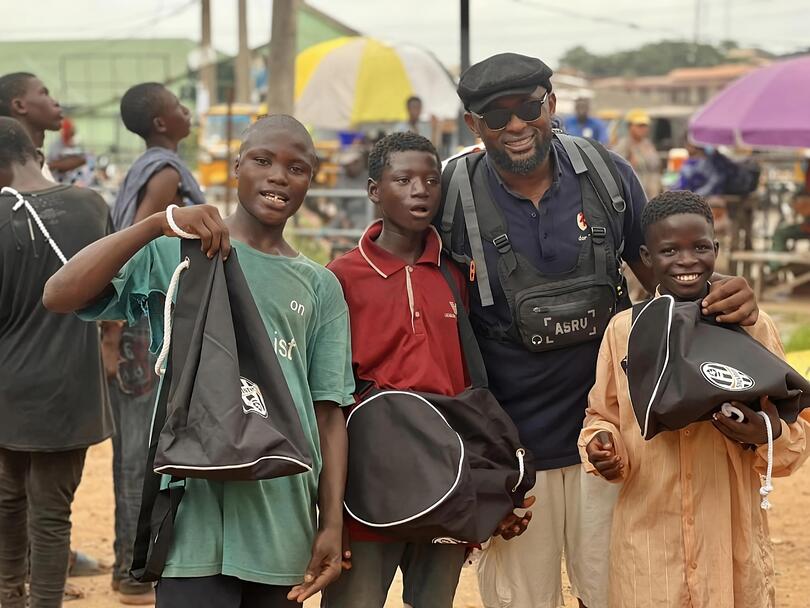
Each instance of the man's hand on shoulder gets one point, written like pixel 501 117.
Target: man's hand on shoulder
pixel 732 300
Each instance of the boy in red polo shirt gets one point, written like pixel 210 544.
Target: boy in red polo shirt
pixel 405 337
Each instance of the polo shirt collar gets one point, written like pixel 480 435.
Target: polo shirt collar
pixel 386 263
pixel 555 178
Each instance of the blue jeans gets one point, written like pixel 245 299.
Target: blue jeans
pixel 430 575
pixel 132 396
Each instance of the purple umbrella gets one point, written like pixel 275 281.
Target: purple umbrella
pixel 769 107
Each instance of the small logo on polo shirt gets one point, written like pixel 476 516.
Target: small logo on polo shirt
pixel 452 315
pixel 252 399
pixel 582 222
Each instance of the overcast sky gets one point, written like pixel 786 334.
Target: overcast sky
pixel 539 27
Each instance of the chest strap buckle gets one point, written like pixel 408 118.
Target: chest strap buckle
pixel 502 243
pixel 598 234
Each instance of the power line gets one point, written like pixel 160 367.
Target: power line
pixel 678 34
pixel 127 28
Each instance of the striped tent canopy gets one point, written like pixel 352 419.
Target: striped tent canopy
pixel 349 81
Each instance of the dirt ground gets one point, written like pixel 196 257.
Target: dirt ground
pixel 93 516
pixel 93 533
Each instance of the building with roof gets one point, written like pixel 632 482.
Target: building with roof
pixel 681 87
pixel 89 77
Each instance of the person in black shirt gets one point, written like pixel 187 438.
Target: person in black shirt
pixel 53 402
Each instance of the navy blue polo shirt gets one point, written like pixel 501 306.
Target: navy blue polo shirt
pixel 546 393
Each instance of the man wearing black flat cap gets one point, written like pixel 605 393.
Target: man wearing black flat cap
pixel 541 223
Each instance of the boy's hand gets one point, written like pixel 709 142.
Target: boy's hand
pixel 204 221
pixel 513 524
pixel 346 553
pixel 324 567
pixel 752 430
pixel 602 455
pixel 732 300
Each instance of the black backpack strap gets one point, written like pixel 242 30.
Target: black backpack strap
pixel 469 345
pixel 599 159
pixel 155 531
pixel 460 187
pixel 573 153
pixel 607 187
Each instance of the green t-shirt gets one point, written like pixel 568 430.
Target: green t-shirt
pixel 259 531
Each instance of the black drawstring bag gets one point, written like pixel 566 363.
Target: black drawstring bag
pixel 224 411
pixel 432 468
pixel 681 367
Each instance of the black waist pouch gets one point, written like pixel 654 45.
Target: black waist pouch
pixel 559 318
pixel 224 411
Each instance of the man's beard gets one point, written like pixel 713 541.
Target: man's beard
pixel 522 166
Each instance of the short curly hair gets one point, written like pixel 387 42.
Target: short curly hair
pixel 16 146
pixel 405 141
pixel 140 105
pixel 674 202
pixel 12 86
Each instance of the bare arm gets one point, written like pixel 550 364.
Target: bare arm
pixel 67 163
pixel 643 274
pixel 325 565
pixel 88 274
pixel 159 193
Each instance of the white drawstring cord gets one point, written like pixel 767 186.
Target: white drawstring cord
pixel 167 317
pixel 32 212
pixel 170 291
pixel 729 411
pixel 173 225
pixel 520 453
pixel 767 485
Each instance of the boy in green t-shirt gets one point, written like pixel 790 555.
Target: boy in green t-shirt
pixel 244 543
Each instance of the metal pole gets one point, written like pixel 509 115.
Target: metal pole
pixel 228 152
pixel 465 34
pixel 208 69
pixel 465 137
pixel 243 57
pixel 281 63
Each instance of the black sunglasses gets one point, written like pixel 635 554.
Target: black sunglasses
pixel 528 111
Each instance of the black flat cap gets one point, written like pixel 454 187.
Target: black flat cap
pixel 501 75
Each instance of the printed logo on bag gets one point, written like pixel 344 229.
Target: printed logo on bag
pixel 582 222
pixel 448 540
pixel 252 400
pixel 726 377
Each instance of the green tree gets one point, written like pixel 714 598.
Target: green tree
pixel 651 59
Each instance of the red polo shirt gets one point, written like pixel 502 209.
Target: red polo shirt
pixel 403 323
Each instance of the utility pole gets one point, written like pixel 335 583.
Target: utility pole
pixel 281 62
pixel 465 138
pixel 696 33
pixel 242 67
pixel 465 34
pixel 208 66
